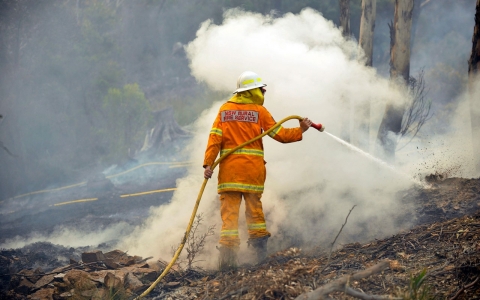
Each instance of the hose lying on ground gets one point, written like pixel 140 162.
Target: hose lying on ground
pixel 199 197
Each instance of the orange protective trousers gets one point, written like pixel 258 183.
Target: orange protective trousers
pixel 229 209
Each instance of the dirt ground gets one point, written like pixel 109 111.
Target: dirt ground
pixel 444 244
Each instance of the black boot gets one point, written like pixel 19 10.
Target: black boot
pixel 228 259
pixel 260 246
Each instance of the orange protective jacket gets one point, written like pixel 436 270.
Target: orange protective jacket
pixel 241 119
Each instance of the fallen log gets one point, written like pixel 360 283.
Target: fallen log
pixel 342 285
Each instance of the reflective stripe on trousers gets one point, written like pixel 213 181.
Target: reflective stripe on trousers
pixel 229 209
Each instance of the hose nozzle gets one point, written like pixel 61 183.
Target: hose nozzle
pixel 318 127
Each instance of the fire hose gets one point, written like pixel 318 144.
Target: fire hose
pixel 319 127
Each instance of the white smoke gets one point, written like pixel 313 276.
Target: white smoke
pixel 450 153
pixel 311 71
pixel 71 236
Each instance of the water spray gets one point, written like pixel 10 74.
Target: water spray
pixel 377 160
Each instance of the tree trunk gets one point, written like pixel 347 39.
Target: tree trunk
pixel 400 32
pixel 474 88
pixel 345 17
pixel 400 50
pixel 362 117
pixel 347 124
pixel 367 26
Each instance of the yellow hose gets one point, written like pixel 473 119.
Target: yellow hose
pixel 199 197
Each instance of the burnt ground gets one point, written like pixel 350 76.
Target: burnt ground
pixel 444 243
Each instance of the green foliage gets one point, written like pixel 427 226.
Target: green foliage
pixel 127 115
pixel 98 31
pixel 118 293
pixel 109 76
pixel 100 52
pixel 417 289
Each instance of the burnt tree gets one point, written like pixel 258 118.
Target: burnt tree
pixel 474 87
pixel 400 32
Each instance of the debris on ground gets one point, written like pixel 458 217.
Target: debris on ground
pixel 444 246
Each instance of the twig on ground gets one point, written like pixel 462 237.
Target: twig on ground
pixel 233 293
pixel 333 243
pixel 144 260
pixel 464 288
pixel 360 295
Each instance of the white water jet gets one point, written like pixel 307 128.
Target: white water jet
pixel 379 161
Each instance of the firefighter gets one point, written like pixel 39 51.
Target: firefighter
pixel 243 172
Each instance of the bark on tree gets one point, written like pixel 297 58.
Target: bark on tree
pixel 400 33
pixel 474 87
pixel 400 51
pixel 367 26
pixel 362 111
pixel 345 17
pixel 347 105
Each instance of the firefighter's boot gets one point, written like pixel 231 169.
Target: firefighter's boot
pixel 228 258
pixel 260 246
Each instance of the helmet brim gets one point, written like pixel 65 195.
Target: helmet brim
pixel 248 88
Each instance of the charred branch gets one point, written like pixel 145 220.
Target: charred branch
pixel 360 295
pixel 196 241
pixel 463 288
pixel 417 112
pixel 341 285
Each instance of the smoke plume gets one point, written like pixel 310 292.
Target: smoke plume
pixel 311 71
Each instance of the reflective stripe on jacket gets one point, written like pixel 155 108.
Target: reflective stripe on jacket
pixel 243 170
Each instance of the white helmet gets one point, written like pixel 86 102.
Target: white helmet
pixel 247 81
